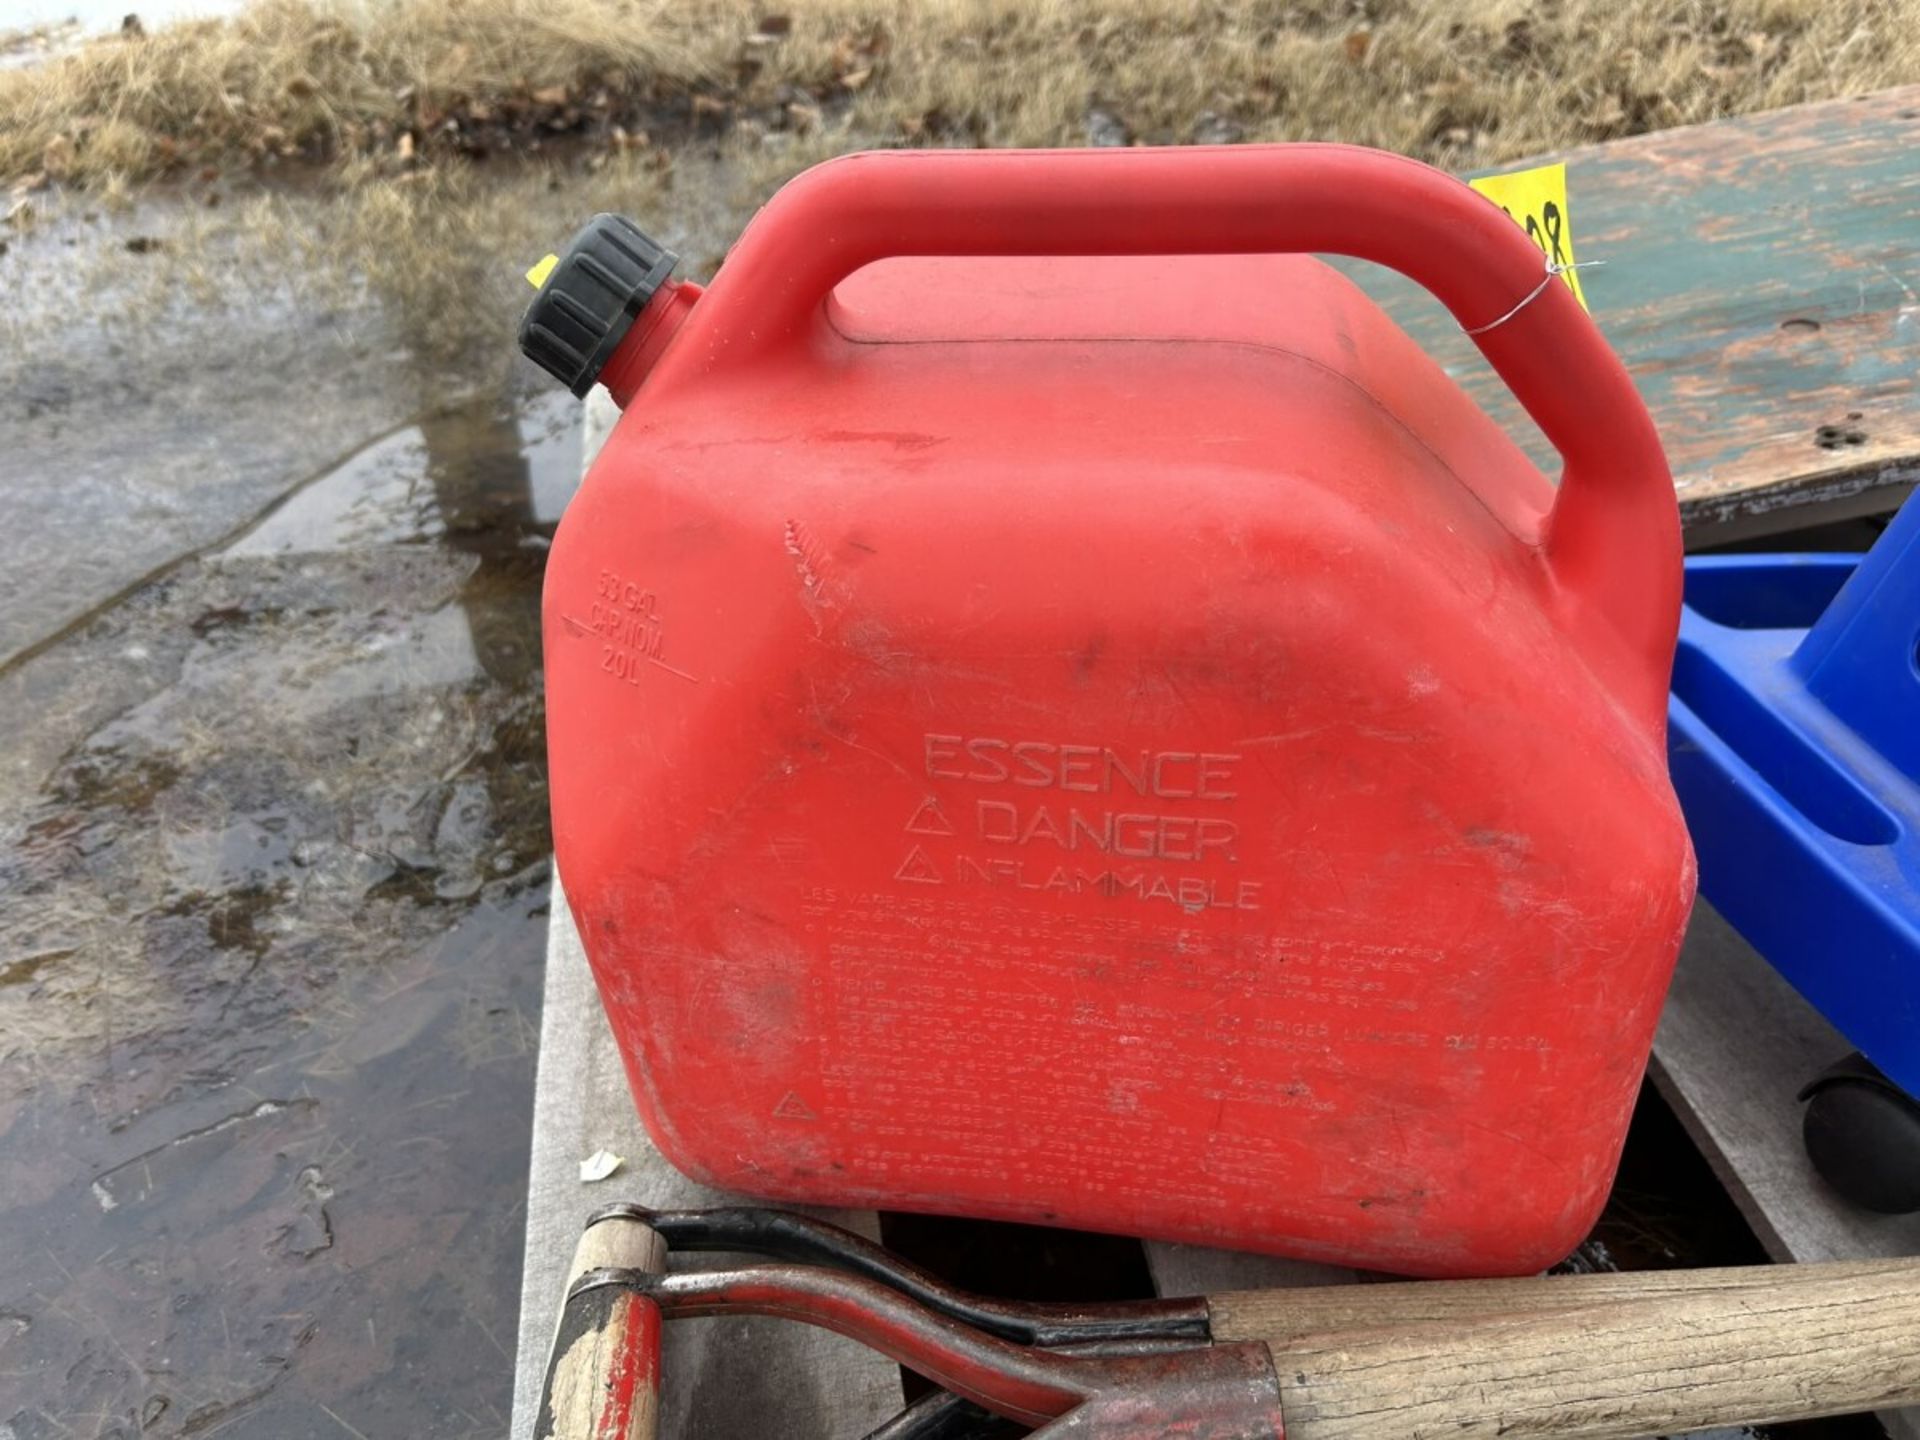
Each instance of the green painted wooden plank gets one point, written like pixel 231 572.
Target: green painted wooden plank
pixel 1763 285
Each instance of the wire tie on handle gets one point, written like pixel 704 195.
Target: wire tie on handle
pixel 1554 271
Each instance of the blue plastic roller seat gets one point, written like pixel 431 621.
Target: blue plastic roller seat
pixel 1795 746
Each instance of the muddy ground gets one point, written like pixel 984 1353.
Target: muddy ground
pixel 273 867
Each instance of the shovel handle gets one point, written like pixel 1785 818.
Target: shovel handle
pixel 603 1371
pixel 1281 1317
pixel 1588 1357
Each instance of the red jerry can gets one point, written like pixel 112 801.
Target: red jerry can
pixel 1059 711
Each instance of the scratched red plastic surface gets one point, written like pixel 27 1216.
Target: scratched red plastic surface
pixel 1084 723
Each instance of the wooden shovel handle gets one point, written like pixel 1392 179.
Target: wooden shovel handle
pixel 1280 1317
pixel 1589 1357
pixel 603 1370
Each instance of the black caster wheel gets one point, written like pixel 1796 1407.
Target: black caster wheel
pixel 1862 1133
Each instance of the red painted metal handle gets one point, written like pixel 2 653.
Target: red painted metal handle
pixel 603 1369
pixel 1613 538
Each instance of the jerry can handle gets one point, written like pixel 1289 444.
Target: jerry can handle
pixel 1612 540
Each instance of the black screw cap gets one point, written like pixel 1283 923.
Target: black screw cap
pixel 590 298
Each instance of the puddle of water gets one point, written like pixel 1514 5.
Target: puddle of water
pixel 270 950
pixel 167 369
pixel 273 843
pixel 393 492
pixel 141 423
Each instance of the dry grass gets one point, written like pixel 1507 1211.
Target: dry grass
pixel 392 105
pixel 338 79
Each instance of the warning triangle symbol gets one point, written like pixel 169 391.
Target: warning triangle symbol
pixel 917 867
pixel 792 1107
pixel 930 819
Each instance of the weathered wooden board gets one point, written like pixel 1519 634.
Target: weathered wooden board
pixel 1736 1043
pixel 1195 1270
pixel 1762 283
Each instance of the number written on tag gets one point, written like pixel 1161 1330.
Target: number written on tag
pixel 1536 201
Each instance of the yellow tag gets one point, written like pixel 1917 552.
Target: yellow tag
pixel 537 276
pixel 1536 201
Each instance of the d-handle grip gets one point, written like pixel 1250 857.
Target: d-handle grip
pixel 603 1370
